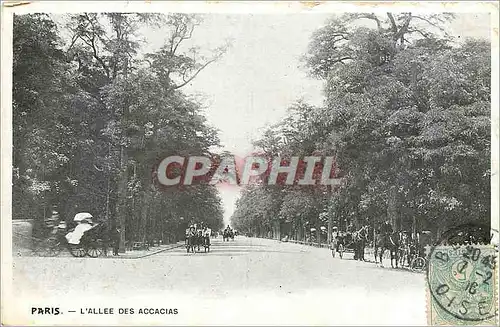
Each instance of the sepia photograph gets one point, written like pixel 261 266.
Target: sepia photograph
pixel 249 163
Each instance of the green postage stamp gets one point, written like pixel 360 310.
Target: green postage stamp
pixel 462 285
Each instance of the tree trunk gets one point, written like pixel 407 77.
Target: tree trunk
pixel 414 225
pixel 123 176
pixel 144 212
pixel 122 196
pixel 392 207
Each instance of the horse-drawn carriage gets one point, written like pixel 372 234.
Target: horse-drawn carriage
pixel 350 242
pixel 405 249
pixel 86 239
pixel 228 234
pixel 92 243
pixel 342 243
pixel 195 239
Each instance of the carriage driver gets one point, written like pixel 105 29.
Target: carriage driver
pixel 61 227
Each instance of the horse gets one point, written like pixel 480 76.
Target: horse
pixel 205 241
pixel 191 241
pixel 383 242
pixel 227 234
pixel 200 239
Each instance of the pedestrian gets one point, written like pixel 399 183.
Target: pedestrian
pixel 116 240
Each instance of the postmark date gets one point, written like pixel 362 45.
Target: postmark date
pixel 461 283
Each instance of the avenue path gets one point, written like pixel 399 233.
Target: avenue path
pixel 248 280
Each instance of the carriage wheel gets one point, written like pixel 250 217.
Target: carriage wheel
pixel 94 251
pixel 77 251
pixel 418 264
pixel 341 250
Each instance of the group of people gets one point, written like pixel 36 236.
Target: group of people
pixel 403 245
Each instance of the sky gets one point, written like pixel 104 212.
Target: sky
pixel 261 74
pixel 258 77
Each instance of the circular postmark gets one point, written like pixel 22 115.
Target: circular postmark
pixel 461 274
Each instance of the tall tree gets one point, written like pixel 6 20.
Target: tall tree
pixel 93 117
pixel 406 115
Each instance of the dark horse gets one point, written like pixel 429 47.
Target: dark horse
pixel 227 234
pixel 199 240
pixel 387 241
pixel 191 241
pixel 360 238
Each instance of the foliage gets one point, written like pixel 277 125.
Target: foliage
pixel 407 116
pixel 92 118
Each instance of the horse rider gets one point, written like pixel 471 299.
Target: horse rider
pixel 62 225
pixel 53 220
pixel 54 224
pixel 60 229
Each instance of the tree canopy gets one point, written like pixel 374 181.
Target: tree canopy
pixel 406 114
pixel 92 116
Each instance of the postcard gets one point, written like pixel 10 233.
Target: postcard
pixel 249 163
